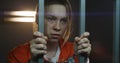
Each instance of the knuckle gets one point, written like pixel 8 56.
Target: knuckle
pixel 37 34
pixel 41 47
pixel 41 40
pixel 76 38
pixel 79 51
pixel 38 39
pixel 32 46
pixel 79 47
pixel 33 51
pixel 79 43
pixel 85 45
pixel 85 39
pixel 86 34
pixel 42 52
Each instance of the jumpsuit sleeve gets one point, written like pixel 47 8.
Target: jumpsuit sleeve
pixel 12 58
pixel 20 54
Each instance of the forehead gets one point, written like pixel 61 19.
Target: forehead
pixel 55 9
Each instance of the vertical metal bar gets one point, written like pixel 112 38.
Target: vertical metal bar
pixel 81 58
pixel 41 16
pixel 82 16
pixel 116 32
pixel 41 23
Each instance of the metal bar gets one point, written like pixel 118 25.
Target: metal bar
pixel 41 23
pixel 116 32
pixel 82 16
pixel 41 16
pixel 81 58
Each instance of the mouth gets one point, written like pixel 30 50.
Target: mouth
pixel 55 36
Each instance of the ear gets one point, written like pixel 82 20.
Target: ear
pixel 35 26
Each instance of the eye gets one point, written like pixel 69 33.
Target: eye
pixel 50 18
pixel 64 20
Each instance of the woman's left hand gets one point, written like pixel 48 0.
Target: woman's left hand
pixel 82 44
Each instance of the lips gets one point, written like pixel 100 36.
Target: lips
pixel 55 36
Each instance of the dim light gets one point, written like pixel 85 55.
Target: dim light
pixel 20 16
pixel 20 19
pixel 21 13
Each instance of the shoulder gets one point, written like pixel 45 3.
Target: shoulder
pixel 69 47
pixel 69 44
pixel 67 50
pixel 66 45
pixel 20 53
pixel 21 48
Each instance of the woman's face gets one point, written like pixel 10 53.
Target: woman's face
pixel 55 21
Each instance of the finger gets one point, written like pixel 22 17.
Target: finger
pixel 77 39
pixel 83 46
pixel 84 40
pixel 86 34
pixel 45 37
pixel 37 34
pixel 86 50
pixel 38 52
pixel 39 46
pixel 40 41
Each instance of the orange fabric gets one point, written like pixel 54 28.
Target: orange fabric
pixel 21 54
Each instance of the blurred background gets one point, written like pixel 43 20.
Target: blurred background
pixel 16 17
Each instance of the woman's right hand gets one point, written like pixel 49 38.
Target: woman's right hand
pixel 38 45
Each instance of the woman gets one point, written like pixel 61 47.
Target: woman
pixel 53 44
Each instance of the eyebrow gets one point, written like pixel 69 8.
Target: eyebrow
pixel 47 15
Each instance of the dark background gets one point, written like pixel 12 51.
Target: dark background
pixel 99 22
pixel 12 33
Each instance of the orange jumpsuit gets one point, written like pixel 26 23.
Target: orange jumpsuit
pixel 21 54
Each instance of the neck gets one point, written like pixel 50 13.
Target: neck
pixel 52 48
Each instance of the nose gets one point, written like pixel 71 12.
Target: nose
pixel 57 26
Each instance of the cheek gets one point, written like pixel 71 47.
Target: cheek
pixel 47 28
pixel 64 27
